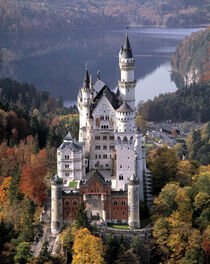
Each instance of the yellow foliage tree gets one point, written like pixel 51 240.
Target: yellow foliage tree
pixel 4 191
pixel 87 248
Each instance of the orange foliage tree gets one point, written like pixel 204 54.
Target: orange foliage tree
pixel 32 182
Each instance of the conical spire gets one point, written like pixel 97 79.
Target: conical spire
pixel 126 49
pixel 68 137
pixel 86 82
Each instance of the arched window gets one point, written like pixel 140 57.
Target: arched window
pixel 66 202
pixel 122 202
pixel 125 140
pixel 115 202
pixel 121 177
pixel 74 202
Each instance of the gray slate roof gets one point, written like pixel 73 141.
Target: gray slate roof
pixel 68 137
pixel 86 81
pixel 126 51
pixel 73 145
pixel 124 108
pixel 112 98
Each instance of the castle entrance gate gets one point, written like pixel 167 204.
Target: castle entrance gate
pixel 95 207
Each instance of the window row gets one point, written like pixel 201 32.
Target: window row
pixel 115 202
pixel 102 156
pixel 97 165
pixel 74 202
pixel 104 127
pixel 117 213
pixel 98 147
pixel 104 117
pixel 104 138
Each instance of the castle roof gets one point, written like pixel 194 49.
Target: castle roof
pixel 72 145
pixel 99 84
pixel 68 137
pixel 112 98
pixel 126 51
pixel 86 81
pixel 95 174
pixel 124 108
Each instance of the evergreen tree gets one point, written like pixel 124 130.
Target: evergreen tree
pixel 45 254
pixel 82 220
pixel 23 253
pixel 122 246
pixel 111 250
pixel 14 194
pixel 36 144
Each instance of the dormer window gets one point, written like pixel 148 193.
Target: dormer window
pixel 66 157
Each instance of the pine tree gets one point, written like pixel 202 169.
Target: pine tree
pixel 110 250
pixel 82 220
pixel 36 144
pixel 14 194
pixel 45 254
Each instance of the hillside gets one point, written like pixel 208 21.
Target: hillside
pixel 186 104
pixel 190 62
pixel 52 15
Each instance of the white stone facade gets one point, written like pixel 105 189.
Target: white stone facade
pixel 70 160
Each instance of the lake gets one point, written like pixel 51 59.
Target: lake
pixel 55 62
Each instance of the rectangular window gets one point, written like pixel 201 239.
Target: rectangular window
pixel 105 156
pixel 97 137
pixel 107 165
pixel 104 137
pixel 97 147
pixel 112 147
pixel 66 174
pixel 96 156
pixel 66 166
pixel 104 147
pixel 66 156
pixel 111 137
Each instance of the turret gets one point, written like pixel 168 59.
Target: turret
pixel 127 83
pixel 133 202
pixel 125 118
pixel 83 99
pixel 56 205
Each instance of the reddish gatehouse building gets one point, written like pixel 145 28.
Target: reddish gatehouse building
pixel 101 203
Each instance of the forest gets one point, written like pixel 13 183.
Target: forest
pixel 190 63
pixel 30 134
pixel 186 104
pixel 64 15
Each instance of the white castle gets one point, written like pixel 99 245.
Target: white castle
pixel 109 143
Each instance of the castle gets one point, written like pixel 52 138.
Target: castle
pixel 106 169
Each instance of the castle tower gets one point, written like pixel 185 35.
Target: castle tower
pixel 127 83
pixel 83 100
pixel 133 202
pixel 56 205
pixel 124 145
pixel 140 163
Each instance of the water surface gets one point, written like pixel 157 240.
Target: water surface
pixel 55 62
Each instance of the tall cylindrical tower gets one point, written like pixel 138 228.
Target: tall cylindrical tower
pixel 56 205
pixel 133 202
pixel 83 100
pixel 127 83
